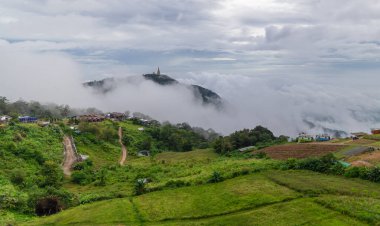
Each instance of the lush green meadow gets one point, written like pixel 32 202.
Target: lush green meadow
pixel 198 187
pixel 256 199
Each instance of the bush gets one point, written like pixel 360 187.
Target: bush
pixel 48 206
pixel 176 184
pixel 10 197
pixel 94 197
pixel 79 177
pixel 260 155
pixel 52 174
pixel 139 188
pixel 17 177
pixel 216 177
pixel 357 172
pixel 374 174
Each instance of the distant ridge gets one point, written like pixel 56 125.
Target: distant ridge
pixel 206 96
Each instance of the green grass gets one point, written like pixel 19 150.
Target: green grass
pixel 376 144
pixel 212 199
pixel 296 212
pixel 118 211
pixel 315 183
pixel 202 155
pixel 11 218
pixel 246 200
pixel 362 208
pixel 179 168
pixel 372 137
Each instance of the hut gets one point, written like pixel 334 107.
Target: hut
pixel 143 153
pixel 304 138
pixel 323 137
pixel 116 116
pixel 375 131
pixel 27 119
pixel 5 119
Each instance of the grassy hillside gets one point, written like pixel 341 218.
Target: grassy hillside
pixel 174 186
pixel 259 199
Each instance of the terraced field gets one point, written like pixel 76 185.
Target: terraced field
pixel 268 198
pixel 301 150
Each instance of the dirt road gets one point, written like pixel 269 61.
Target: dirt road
pixel 70 157
pixel 123 148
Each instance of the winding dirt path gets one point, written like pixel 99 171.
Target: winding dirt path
pixel 70 157
pixel 124 150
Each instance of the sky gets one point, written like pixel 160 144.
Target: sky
pixel 299 65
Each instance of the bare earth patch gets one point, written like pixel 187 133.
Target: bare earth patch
pixel 366 159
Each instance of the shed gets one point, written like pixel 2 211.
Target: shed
pixel 250 148
pixel 5 118
pixel 143 153
pixel 27 119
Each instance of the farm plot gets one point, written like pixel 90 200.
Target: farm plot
pixel 301 150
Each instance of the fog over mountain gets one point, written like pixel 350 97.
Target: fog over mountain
pixel 292 66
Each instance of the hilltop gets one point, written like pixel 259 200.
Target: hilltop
pixel 206 96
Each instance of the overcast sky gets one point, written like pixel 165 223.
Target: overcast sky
pixel 224 36
pixel 325 50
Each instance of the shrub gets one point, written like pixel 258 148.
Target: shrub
pixel 101 177
pixel 17 176
pixel 176 183
pixel 216 177
pixel 48 206
pixel 374 174
pixel 94 197
pixel 79 177
pixel 139 188
pixel 337 169
pixel 52 174
pixel 260 155
pixel 354 172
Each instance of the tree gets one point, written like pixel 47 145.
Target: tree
pixel 52 174
pixel 3 105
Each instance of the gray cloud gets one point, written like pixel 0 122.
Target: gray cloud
pixel 315 59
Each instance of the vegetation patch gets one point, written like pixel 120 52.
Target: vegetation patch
pixel 315 183
pixel 362 208
pixel 296 212
pixel 212 199
pixel 118 211
pixel 300 150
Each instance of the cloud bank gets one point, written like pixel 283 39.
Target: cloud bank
pixel 300 65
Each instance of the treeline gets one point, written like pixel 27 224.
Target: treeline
pixel 181 137
pixel 258 137
pixel 36 109
pixel 330 164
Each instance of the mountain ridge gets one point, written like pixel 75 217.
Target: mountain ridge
pixel 206 96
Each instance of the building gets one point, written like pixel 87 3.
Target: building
pixel 27 119
pixel 116 116
pixel 158 71
pixel 323 137
pixel 250 148
pixel 90 118
pixel 5 119
pixel 304 138
pixel 375 131
pixel 358 134
pixel 143 153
